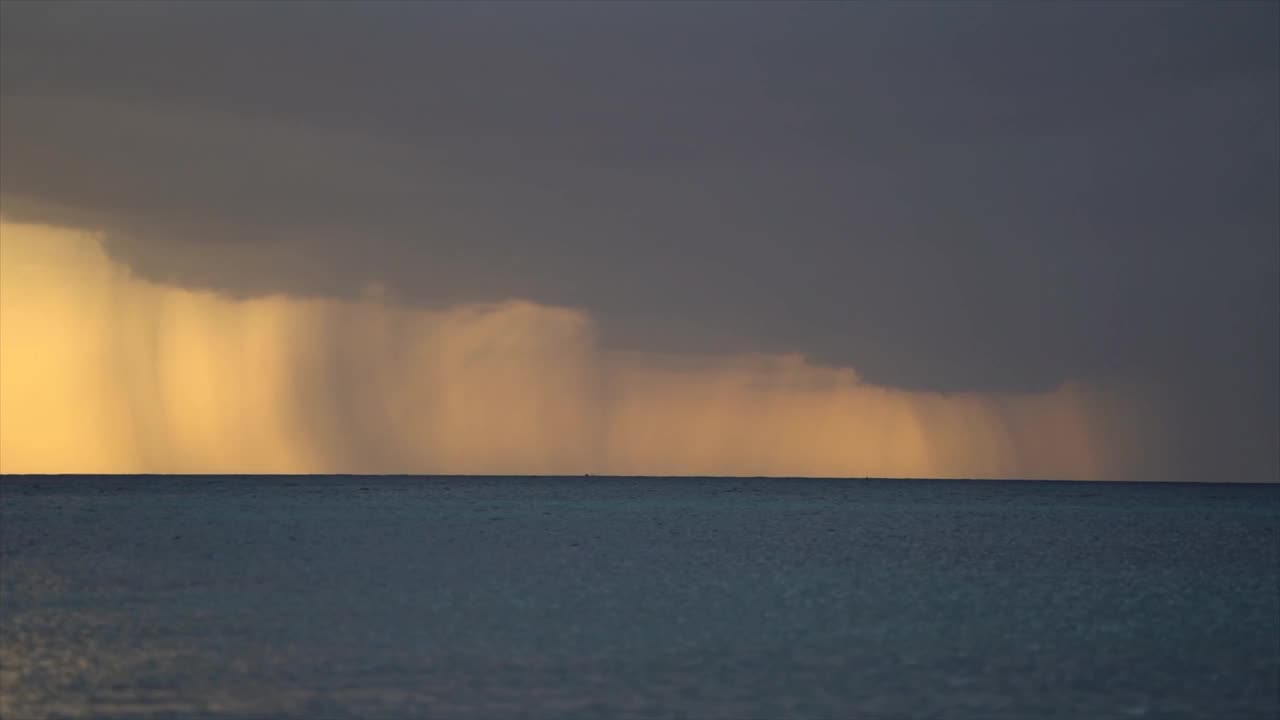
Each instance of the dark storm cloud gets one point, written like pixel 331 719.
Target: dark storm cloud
pixel 945 196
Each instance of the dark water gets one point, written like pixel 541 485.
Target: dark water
pixel 593 597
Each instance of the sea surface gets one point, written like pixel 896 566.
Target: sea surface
pixel 465 597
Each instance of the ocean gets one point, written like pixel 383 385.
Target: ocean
pixel 592 597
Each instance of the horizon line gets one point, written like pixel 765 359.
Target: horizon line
pixel 546 476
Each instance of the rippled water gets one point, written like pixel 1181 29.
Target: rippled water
pixel 591 597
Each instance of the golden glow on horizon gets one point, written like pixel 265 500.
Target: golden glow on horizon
pixel 101 371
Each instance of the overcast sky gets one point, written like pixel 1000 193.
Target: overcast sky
pixel 944 196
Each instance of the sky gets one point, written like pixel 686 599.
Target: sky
pixel 949 239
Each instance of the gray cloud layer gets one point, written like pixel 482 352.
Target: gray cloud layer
pixel 944 196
